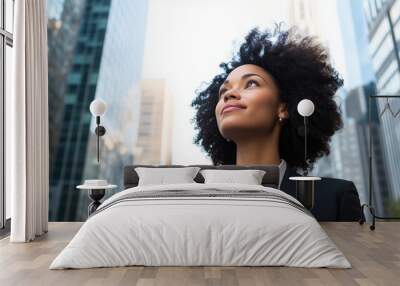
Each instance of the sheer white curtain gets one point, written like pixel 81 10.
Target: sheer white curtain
pixel 27 124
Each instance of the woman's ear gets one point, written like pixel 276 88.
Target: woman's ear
pixel 282 111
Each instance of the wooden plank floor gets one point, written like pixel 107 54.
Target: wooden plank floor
pixel 375 257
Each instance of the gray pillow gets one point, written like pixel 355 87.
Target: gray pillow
pixel 250 177
pixel 162 176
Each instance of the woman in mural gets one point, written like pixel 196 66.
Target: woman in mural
pixel 247 114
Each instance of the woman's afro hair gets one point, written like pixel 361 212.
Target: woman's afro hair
pixel 301 70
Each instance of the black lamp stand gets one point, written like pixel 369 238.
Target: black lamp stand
pixel 100 131
pixel 305 171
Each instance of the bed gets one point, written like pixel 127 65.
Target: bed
pixel 201 224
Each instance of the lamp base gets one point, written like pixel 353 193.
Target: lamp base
pixel 95 195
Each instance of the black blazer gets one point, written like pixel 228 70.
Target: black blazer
pixel 335 199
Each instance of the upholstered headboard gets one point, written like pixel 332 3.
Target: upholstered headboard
pixel 270 179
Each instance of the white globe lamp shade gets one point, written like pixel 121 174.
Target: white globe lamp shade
pixel 305 107
pixel 98 107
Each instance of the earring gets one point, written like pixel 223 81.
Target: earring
pixel 280 119
pixel 227 139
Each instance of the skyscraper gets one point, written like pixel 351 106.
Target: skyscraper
pixel 80 88
pixel 349 146
pixel 154 137
pixel 356 160
pixel 354 35
pixel 62 33
pixel 383 19
pixel 118 85
pixel 105 63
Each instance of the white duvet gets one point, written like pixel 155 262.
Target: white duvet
pixel 183 231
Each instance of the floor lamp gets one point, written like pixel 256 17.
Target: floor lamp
pixel 305 185
pixel 96 188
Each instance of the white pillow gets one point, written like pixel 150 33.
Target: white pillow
pixel 250 177
pixel 162 176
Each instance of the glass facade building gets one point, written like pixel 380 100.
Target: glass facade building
pixel 102 57
pixel 80 88
pixel 118 84
pixel 349 146
pixel 383 20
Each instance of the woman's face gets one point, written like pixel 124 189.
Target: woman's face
pixel 255 93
